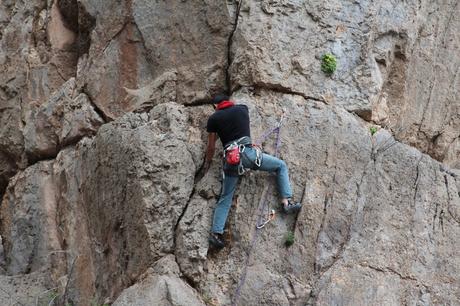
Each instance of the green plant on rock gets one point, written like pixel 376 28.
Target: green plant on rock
pixel 328 63
pixel 289 239
pixel 373 130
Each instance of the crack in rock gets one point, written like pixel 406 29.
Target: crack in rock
pixel 229 47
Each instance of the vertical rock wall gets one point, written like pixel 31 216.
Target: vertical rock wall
pixel 102 135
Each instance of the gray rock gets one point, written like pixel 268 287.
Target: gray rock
pixel 31 71
pixel 422 86
pixel 157 55
pixel 195 48
pixel 163 287
pixel 355 188
pixel 385 52
pixel 134 191
pixel 122 209
pixel 104 79
pixel 29 229
pixel 64 119
pixel 25 290
pixel 142 159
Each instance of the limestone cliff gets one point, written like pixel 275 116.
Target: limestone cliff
pixel 103 107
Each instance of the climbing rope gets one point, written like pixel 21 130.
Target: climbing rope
pixel 263 204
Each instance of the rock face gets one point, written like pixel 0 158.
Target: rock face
pixel 38 54
pixel 162 286
pixel 64 119
pixel 106 224
pixel 428 93
pixel 102 139
pixel 368 211
pixel 135 48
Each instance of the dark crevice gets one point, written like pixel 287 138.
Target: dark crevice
pixel 449 200
pixel 425 107
pixel 36 158
pixel 183 213
pixel 312 298
pixel 228 80
pixel 416 182
pixel 327 198
pixel 199 102
pixel 302 199
pixel 393 271
pixel 118 33
pixel 189 281
pixel 446 182
pixel 79 21
pixel 96 108
pixel 285 90
pixel 434 216
pixel 358 213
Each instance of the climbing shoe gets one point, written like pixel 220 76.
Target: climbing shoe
pixel 291 207
pixel 216 240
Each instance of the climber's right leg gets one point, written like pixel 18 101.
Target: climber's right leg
pixel 273 164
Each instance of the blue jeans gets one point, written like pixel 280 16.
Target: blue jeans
pixel 269 163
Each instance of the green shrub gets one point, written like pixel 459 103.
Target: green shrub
pixel 373 130
pixel 289 239
pixel 328 63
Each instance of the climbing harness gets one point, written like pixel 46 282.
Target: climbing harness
pixel 263 204
pixel 232 154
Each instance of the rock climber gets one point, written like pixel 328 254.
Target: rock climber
pixel 231 123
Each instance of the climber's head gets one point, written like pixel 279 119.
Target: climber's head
pixel 219 98
pixel 221 101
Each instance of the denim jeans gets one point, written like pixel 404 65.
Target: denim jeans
pixel 269 163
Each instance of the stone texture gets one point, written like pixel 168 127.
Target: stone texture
pixel 64 119
pixel 25 290
pixel 134 192
pixel 63 208
pixel 32 69
pixel 28 222
pixel 266 55
pixel 362 195
pixel 135 50
pixel 74 235
pixel 122 216
pixel 385 51
pixel 161 285
pixel 421 89
pixel 195 48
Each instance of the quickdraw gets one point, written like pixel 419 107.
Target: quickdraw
pixel 271 217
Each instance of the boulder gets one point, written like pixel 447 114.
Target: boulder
pixel 64 119
pixel 160 285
